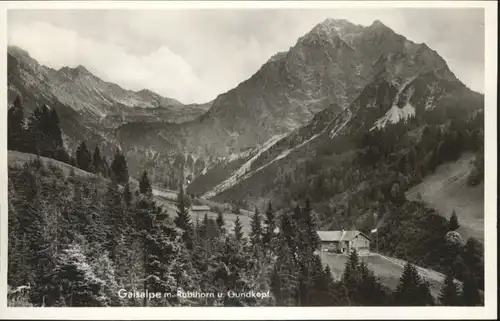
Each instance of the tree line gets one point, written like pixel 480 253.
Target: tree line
pixel 40 134
pixel 96 236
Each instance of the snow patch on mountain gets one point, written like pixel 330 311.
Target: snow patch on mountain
pixel 430 102
pixel 235 156
pixel 396 114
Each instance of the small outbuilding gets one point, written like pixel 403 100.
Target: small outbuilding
pixel 200 208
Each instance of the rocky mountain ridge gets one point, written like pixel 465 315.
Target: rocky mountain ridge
pixel 329 66
pixel 92 97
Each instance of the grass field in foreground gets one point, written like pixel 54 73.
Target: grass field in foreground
pixel 388 270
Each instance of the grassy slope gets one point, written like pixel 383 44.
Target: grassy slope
pixel 446 190
pixel 387 269
pixel 18 158
pixel 168 204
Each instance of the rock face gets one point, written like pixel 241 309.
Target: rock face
pixel 323 74
pixel 87 94
pixel 329 66
pixel 423 98
pixel 90 109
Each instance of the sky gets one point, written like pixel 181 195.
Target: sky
pixel 195 55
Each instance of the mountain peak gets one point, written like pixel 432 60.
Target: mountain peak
pixel 19 53
pixel 82 69
pixel 378 23
pixel 336 22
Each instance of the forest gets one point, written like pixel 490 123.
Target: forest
pixel 76 241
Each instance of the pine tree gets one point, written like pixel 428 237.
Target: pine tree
pixel 320 290
pixel 145 184
pixel 412 290
pixel 127 194
pixel 97 161
pixel 55 137
pixel 116 221
pixel 44 135
pixel 106 170
pixel 220 221
pixel 32 226
pixel 79 286
pixel 449 291
pixel 34 131
pixel 83 157
pixel 330 297
pixel 470 291
pixel 473 255
pixel 351 276
pixel 238 229
pixel 256 229
pixel 454 225
pixel 160 251
pixel 119 168
pixel 284 277
pixel 369 290
pixel 183 219
pixel 309 229
pixel 15 129
pixel 270 226
pixel 288 234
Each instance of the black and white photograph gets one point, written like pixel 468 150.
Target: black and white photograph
pixel 247 157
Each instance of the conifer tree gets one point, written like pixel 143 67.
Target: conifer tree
pixel 15 129
pixel 116 221
pixel 330 297
pixel 297 216
pixel 284 278
pixel 158 246
pixel 145 184
pixel 449 292
pixel 183 219
pixel 412 290
pixel 470 292
pixel 238 229
pixel 127 194
pixel 220 221
pixel 473 258
pixel 288 234
pixel 309 228
pixel 97 161
pixel 256 229
pixel 119 168
pixel 55 138
pixel 43 134
pixel 106 171
pixel 351 276
pixel 453 225
pixel 33 225
pixel 83 157
pixel 79 286
pixel 270 226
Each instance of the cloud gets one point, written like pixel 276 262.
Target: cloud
pixel 161 70
pixel 194 55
